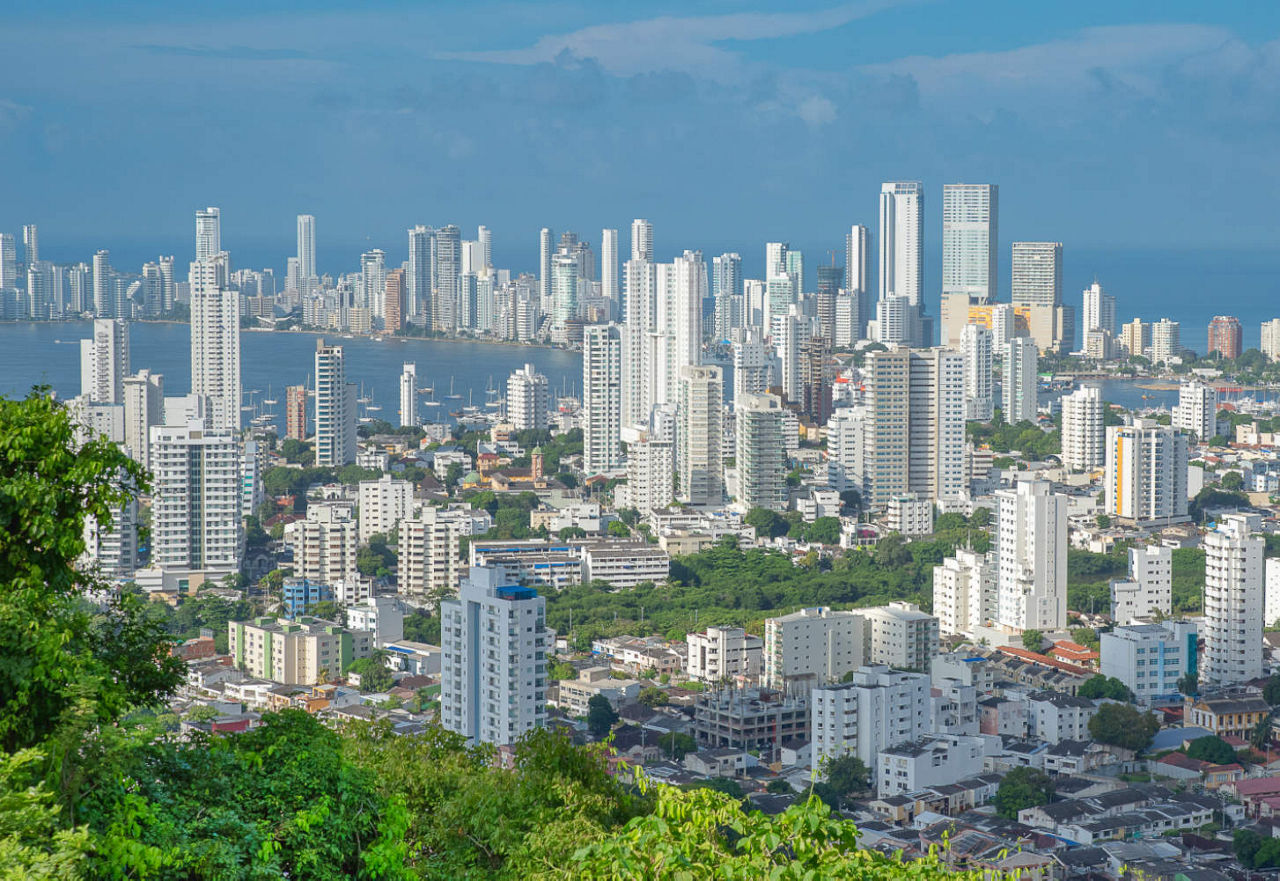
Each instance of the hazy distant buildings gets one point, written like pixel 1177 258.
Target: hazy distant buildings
pixel 104 361
pixel 295 412
pixel 1099 312
pixel 970 240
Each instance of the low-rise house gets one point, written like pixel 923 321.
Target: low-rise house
pixel 1070 757
pixel 1054 717
pixel 1227 716
pixel 574 695
pixel 723 762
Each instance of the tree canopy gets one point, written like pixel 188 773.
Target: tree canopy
pixel 1020 789
pixel 1123 725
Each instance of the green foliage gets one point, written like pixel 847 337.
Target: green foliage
pixel 55 652
pixel 33 844
pixel 675 745
pixel 778 786
pixel 1020 789
pixel 1105 686
pixel 373 673
pixel 618 529
pixel 1213 497
pixel 1103 521
pixel 824 530
pixel 559 670
pixel 1123 725
pixel 297 452
pixel 1260 736
pixel 328 610
pixel 652 696
pixel 1232 481
pixel 421 627
pixel 767 524
pixel 1211 749
pixel 350 475
pixel 1032 640
pixel 847 775
pixel 1271 690
pixel 1086 636
pixel 1254 851
pixel 376 558
pixel 601 716
pixel 1189 685
pixel 1023 437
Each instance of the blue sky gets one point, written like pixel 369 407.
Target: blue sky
pixel 1107 125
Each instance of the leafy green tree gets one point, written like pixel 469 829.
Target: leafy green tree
pixel 1105 686
pixel 1232 481
pixel 1103 521
pixel 652 696
pixel 618 529
pixel 892 552
pixel 56 653
pixel 327 610
pixel 675 745
pixel 778 786
pixel 1123 725
pixel 1189 685
pixel 421 627
pixel 1260 736
pixel 726 785
pixel 1020 789
pixel 569 532
pixel 1211 749
pixel 601 716
pixel 350 475
pixel 33 842
pixel 847 775
pixel 824 530
pixel 373 673
pixel 767 524
pixel 560 670
pixel 376 558
pixel 1086 636
pixel 1032 640
pixel 1271 690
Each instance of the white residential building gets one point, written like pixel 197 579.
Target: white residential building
pixel 965 595
pixel 901 240
pixel 306 652
pixel 1197 410
pixel 528 399
pixel 1150 658
pixel 429 562
pixel 1099 310
pixel 383 503
pixel 1146 479
pixel 761 457
pixel 1083 434
pixel 335 409
pixel 1166 341
pixel 651 462
pixel 970 240
pixel 899 635
pixel 935 760
pixel 381 616
pixel 877 709
pixel 1148 591
pixel 602 396
pixel 979 380
pixel 1031 549
pixel 143 410
pixel 846 430
pixel 909 514
pixel 812 647
pixel 104 361
pixel 720 654
pixel 196 499
pixel 1233 601
pixel 1271 598
pixel 493 670
pixel 698 455
pixel 215 341
pixel 324 544
pixel 409 395
pixel 1053 716
pixel 1019 382
pixel 1271 339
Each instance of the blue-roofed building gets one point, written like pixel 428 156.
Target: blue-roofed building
pixel 301 595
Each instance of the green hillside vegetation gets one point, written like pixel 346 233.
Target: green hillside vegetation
pixel 1089 578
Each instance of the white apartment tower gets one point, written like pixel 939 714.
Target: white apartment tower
pixel 1148 590
pixel 215 341
pixel 104 361
pixel 1037 273
pixel 528 393
pixel 1166 341
pixel 335 409
pixel 208 233
pixel 1083 435
pixel 1099 312
pixel 878 708
pixel 409 395
pixel 979 378
pixel 901 238
pixel 1233 602
pixel 846 430
pixel 1146 479
pixel 324 544
pixel 493 669
pixel 1197 410
pixel 546 251
pixel 383 503
pixel 306 252
pixel 1020 384
pixel 970 240
pixel 1270 339
pixel 609 264
pixel 143 409
pixel 641 240
pixel 651 461
pixel 761 458
pixel 812 647
pixel 698 432
pixel 1031 548
pixel 965 592
pixel 418 299
pixel 195 508
pixel 601 398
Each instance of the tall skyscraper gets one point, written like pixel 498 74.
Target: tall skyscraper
pixel 208 233
pixel 1146 478
pixel 295 412
pixel 901 239
pixel 419 281
pixel 104 301
pixel 393 304
pixel 1031 547
pixel 104 362
pixel 1083 435
pixel 409 395
pixel 1166 341
pixel 979 381
pixel 1019 381
pixel 641 240
pixel 493 669
pixel 698 433
pixel 335 409
pixel 546 251
pixel 306 251
pixel 31 241
pixel 857 257
pixel 726 291
pixel 1225 336
pixel 168 292
pixel 373 276
pixel 609 264
pixel 143 409
pixel 761 458
pixel 1270 339
pixel 970 240
pixel 215 341
pixel 1037 273
pixel 651 460
pixel 601 398
pixel 196 499
pixel 1099 310
pixel 484 236
pixel 1233 602
pixel 751 363
pixel 1197 410
pixel 564 289
pixel 528 399
pixel 8 262
pixel 446 267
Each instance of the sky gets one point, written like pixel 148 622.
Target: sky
pixel 1106 124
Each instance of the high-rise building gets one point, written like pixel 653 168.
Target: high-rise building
pixel 641 240
pixel 8 262
pixel 419 282
pixel 761 458
pixel 1020 381
pixel 965 592
pixel 446 269
pixel 485 237
pixel 143 409
pixel 1270 339
pixel 1197 410
pixel 104 361
pixel 564 288
pixel 979 380
pixel 901 240
pixel 295 412
pixel 857 250
pixel 324 544
pixel 726 290
pixel 1150 658
pixel 1083 434
pixel 393 305
pixel 1233 601
pixel 914 426
pixel 1037 273
pixel 1166 341
pixel 1099 312
pixel 409 395
pixel 698 454
pixel 528 399
pixel 651 461
pixel 751 373
pixel 601 398
pixel 1148 591
pixel 306 252
pixel 208 233
pixel 373 281
pixel 546 251
pixel 104 301
pixel 1031 550
pixel 31 242
pixel 383 503
pixel 1225 336
pixel 195 501
pixel 215 341
pixel 900 635
pixel 970 240
pixel 1135 337
pixel 846 432
pixel 876 709
pixel 335 409
pixel 1146 478
pixel 812 647
pixel 609 264
pixel 493 671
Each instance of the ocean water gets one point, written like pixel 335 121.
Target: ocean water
pixel 49 354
